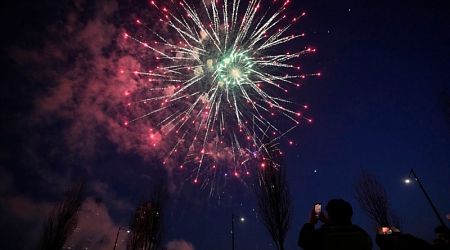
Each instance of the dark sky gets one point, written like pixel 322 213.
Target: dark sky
pixel 378 106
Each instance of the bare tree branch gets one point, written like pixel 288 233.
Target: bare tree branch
pixel 373 199
pixel 146 225
pixel 274 199
pixel 63 219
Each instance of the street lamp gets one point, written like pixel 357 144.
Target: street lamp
pixel 117 235
pixel 408 181
pixel 242 220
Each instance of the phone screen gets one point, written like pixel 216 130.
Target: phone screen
pixel 386 230
pixel 317 208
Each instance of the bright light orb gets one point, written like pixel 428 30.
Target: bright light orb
pixel 235 73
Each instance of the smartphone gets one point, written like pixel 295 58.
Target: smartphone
pixel 318 208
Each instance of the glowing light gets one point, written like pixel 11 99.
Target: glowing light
pixel 234 69
pixel 221 77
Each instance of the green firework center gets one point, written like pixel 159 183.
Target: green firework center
pixel 233 69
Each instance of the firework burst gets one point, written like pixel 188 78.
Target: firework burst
pixel 219 86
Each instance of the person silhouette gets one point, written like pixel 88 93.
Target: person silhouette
pixel 442 240
pixel 337 232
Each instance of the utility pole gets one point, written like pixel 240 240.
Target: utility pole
pixel 117 236
pixel 427 196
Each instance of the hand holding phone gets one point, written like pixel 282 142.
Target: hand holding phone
pixel 385 230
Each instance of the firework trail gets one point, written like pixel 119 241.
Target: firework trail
pixel 220 81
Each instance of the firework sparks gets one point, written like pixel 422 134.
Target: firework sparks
pixel 220 81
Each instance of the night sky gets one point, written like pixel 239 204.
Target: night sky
pixel 377 106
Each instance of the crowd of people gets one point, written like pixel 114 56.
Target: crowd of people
pixel 339 233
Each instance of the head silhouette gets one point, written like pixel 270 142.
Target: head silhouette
pixel 442 232
pixel 339 212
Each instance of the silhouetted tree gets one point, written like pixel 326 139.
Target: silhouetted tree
pixel 373 199
pixel 146 224
pixel 63 219
pixel 273 197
